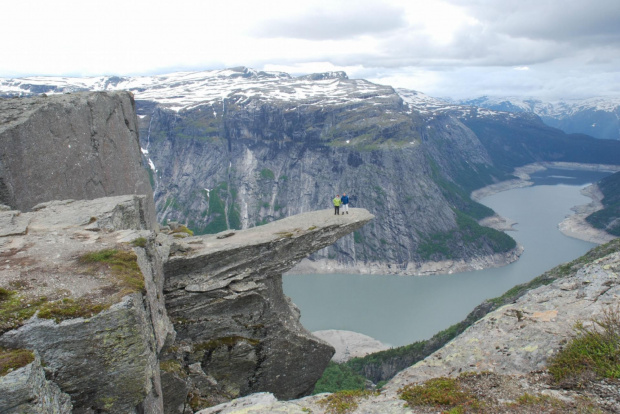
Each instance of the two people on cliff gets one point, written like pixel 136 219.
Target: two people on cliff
pixel 341 201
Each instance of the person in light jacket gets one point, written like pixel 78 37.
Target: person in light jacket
pixel 337 204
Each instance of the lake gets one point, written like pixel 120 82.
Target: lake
pixel 399 310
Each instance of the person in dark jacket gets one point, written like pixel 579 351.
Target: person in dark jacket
pixel 344 200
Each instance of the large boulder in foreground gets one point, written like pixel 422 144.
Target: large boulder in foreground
pixel 237 333
pixel 76 290
pixel 74 146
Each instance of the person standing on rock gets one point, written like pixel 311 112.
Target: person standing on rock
pixel 345 203
pixel 337 204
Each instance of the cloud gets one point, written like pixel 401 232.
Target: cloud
pixel 441 46
pixel 333 21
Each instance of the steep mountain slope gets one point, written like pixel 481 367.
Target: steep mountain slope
pixel 608 218
pixel 238 148
pixel 597 117
pixel 514 139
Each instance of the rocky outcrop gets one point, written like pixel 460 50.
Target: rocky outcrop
pixel 96 324
pixel 25 390
pixel 236 331
pixel 74 146
pixel 90 288
pixel 349 344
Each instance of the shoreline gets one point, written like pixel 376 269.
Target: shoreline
pixel 326 266
pixel 574 226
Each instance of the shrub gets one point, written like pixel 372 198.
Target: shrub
pixel 343 402
pixel 594 352
pixel 339 377
pixel 139 242
pixel 438 392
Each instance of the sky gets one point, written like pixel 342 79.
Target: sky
pixel 550 49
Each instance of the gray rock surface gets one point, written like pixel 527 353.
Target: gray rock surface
pixel 236 331
pixel 26 391
pixel 74 146
pixel 106 362
pixel 349 344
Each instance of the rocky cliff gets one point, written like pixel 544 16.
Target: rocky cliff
pixel 74 146
pixel 89 288
pixel 102 312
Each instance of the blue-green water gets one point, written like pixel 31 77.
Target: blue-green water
pixel 399 310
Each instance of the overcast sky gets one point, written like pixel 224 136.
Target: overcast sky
pixel 445 48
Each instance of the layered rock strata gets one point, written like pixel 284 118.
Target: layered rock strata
pixel 236 331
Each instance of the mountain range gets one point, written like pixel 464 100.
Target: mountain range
pixel 598 117
pixel 237 148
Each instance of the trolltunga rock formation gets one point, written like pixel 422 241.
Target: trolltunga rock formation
pixel 236 331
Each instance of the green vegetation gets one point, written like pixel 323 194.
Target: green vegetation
pixel 182 229
pixel 15 310
pixel 139 242
pixel 468 179
pixel 444 393
pixel 122 264
pixel 358 237
pixel 608 218
pixel 343 402
pixel 12 359
pixel 593 353
pixel 338 377
pixel 440 246
pixel 68 308
pixel 267 174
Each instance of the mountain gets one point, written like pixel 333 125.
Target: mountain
pixel 597 117
pixel 237 148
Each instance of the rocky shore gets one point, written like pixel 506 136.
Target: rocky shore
pixel 574 225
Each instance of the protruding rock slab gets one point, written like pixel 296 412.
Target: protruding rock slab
pixel 236 331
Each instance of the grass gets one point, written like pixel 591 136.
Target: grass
pixel 139 242
pixel 182 229
pixel 12 359
pixel 593 353
pixel 15 310
pixel 343 402
pixel 122 264
pixel 442 392
pixel 68 308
